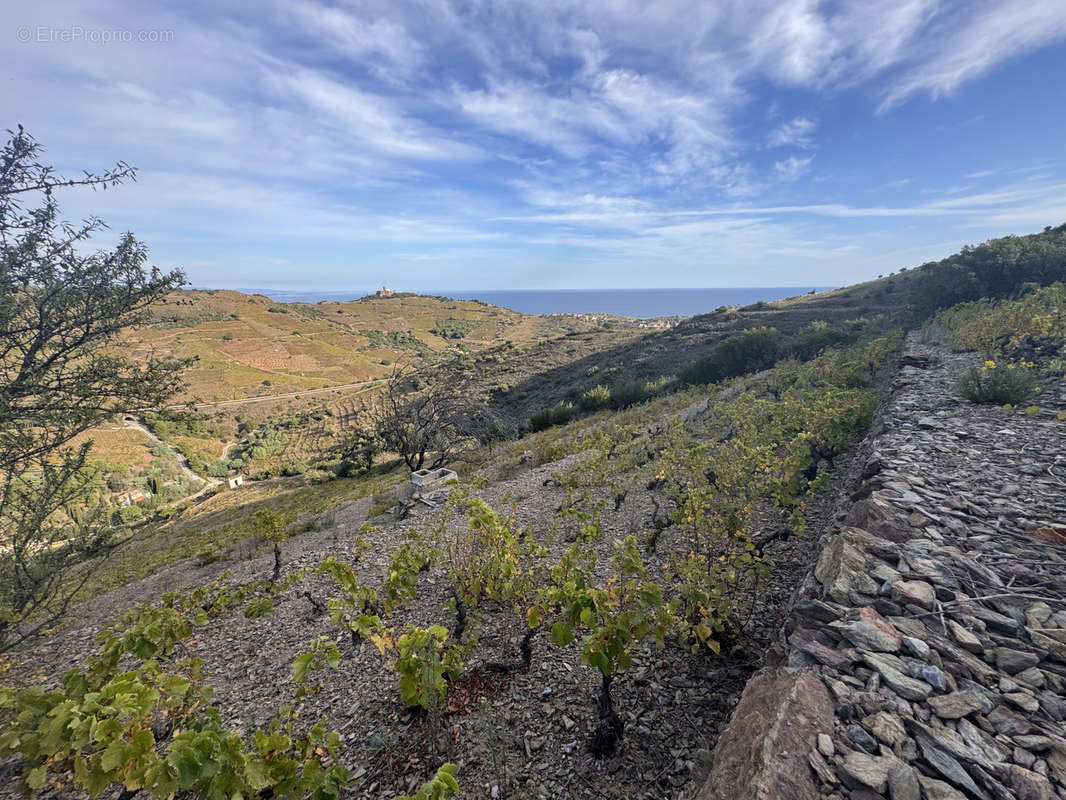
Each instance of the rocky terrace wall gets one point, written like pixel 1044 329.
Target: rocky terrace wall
pixel 926 654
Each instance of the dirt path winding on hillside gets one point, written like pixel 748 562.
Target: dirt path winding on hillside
pixel 362 385
pixel 183 462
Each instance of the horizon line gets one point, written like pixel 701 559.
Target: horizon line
pixel 430 292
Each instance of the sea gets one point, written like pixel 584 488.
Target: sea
pixel 641 303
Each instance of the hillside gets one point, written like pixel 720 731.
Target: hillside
pixel 283 380
pixel 580 612
pixel 909 577
pixel 925 653
pixel 289 378
pixel 806 324
pixel 251 346
pixel 558 499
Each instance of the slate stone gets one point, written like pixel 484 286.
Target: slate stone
pixel 997 622
pixel 996 789
pixel 870 631
pixel 886 727
pixel 1023 700
pixel 955 705
pixel 903 783
pixel 918 592
pixel 841 569
pixel 980 742
pixel 1037 743
pixel 1028 785
pixel 938 790
pixel 765 748
pixel 948 766
pixel 931 570
pixel 966 639
pixel 861 769
pixel 916 647
pixel 826 774
pixel 935 678
pixel 1007 722
pixel 1012 661
pixel 907 688
pixel 861 738
pixel 825 745
pixel 946 648
pixel 1031 677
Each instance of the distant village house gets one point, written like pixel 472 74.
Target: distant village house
pixel 136 496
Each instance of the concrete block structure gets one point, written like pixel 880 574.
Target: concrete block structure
pixel 424 479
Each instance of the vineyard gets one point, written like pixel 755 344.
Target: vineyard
pixel 572 621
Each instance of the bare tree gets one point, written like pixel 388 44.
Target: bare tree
pixel 435 417
pixel 62 371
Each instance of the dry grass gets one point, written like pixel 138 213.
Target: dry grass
pixel 248 346
pixel 119 445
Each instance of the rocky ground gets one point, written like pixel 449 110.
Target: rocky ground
pixel 522 734
pixel 923 654
pixel 927 650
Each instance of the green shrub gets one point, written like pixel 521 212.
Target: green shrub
pixel 423 673
pixel 217 470
pixel 748 351
pixel 556 415
pixel 987 326
pixel 814 338
pixel 624 395
pixel 441 787
pixel 596 397
pixel 998 384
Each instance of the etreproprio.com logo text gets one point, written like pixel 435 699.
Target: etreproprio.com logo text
pixel 50 34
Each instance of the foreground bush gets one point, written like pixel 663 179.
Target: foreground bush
pixel 1000 384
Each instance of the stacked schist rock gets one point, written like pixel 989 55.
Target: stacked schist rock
pixel 927 652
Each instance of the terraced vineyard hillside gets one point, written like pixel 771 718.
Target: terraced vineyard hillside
pixel 284 381
pixel 251 346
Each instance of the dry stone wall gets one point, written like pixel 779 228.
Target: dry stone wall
pixel 926 654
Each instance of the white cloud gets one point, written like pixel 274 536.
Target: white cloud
pixel 365 119
pixel 990 33
pixel 612 109
pixel 381 44
pixel 794 133
pixel 440 121
pixel 792 168
pixel 794 42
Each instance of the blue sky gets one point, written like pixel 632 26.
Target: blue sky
pixel 500 145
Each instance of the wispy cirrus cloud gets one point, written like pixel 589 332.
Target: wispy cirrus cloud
pixel 791 168
pixel 528 131
pixel 993 33
pixel 797 132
